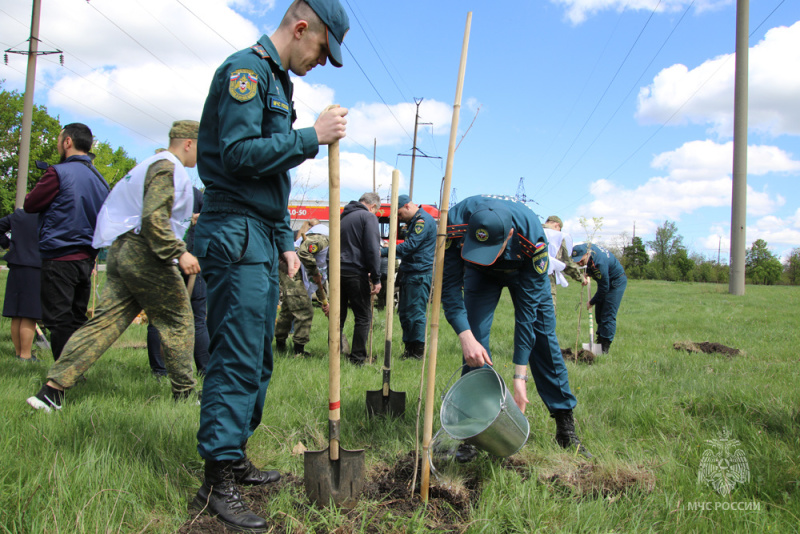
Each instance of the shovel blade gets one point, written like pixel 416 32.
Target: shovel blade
pixel 393 405
pixel 594 348
pixel 340 481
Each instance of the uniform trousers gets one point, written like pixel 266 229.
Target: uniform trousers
pixel 239 263
pixel 198 301
pixel 413 306
pixel 605 312
pixel 136 280
pixel 534 326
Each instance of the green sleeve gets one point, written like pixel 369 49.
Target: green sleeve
pixel 571 268
pixel 159 196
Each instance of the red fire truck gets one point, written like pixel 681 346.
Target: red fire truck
pixel 304 210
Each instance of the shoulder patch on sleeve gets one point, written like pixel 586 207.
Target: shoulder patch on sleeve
pixel 243 84
pixel 419 226
pixel 540 258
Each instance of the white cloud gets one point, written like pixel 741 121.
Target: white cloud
pixel 706 159
pixel 355 175
pixel 704 95
pixel 154 72
pixel 698 176
pixel 394 125
pixel 578 11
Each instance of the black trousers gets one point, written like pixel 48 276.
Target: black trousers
pixel 66 288
pixel 356 296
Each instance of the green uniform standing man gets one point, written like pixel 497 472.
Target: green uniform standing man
pixel 247 146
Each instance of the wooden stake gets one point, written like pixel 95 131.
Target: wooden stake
pixel 441 238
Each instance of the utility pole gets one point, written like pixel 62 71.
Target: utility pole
pixel 27 103
pixel 634 229
pixel 719 249
pixel 374 153
pixel 739 190
pixel 414 150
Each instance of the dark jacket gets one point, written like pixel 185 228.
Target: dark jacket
pixel 66 226
pixel 23 247
pixel 361 251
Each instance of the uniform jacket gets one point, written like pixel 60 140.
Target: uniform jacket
pixel 360 241
pixel 23 247
pixel 417 251
pixel 604 269
pixel 66 225
pixel 528 244
pixel 246 145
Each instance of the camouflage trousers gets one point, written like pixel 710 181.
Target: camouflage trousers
pixel 295 307
pixel 136 280
pixel 553 286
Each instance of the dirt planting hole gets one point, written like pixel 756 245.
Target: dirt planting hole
pixel 583 356
pixel 706 347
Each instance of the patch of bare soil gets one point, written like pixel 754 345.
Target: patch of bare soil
pixel 386 491
pixel 706 347
pixel 583 356
pixel 589 480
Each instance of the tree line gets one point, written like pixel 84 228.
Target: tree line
pixel 112 163
pixel 666 258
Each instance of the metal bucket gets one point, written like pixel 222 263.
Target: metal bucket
pixel 480 410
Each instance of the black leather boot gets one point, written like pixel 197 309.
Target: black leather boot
pixel 220 497
pixel 246 474
pixel 565 432
pixel 418 350
pixel 604 343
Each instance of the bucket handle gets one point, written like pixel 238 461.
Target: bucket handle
pixel 503 387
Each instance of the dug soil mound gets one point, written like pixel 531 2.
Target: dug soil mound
pixel 706 347
pixel 583 356
pixel 589 480
pixel 386 494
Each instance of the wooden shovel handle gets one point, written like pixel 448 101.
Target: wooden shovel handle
pixel 334 275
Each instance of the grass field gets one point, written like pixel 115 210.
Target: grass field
pixel 121 456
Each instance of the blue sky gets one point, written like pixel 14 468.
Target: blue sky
pixel 620 109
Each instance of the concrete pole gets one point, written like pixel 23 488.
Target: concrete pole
pixel 374 156
pixel 414 152
pixel 739 192
pixel 27 108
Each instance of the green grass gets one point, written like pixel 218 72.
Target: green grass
pixel 121 457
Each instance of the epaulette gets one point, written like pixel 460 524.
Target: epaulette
pixel 529 248
pixel 260 51
pixel 455 231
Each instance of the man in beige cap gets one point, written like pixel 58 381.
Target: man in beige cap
pixel 144 219
pixel 560 248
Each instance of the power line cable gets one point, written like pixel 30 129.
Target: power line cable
pixel 622 102
pixel 130 36
pixel 602 97
pixel 51 88
pixel 190 49
pixel 207 25
pixel 110 79
pixel 677 110
pixel 377 92
pixel 375 50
